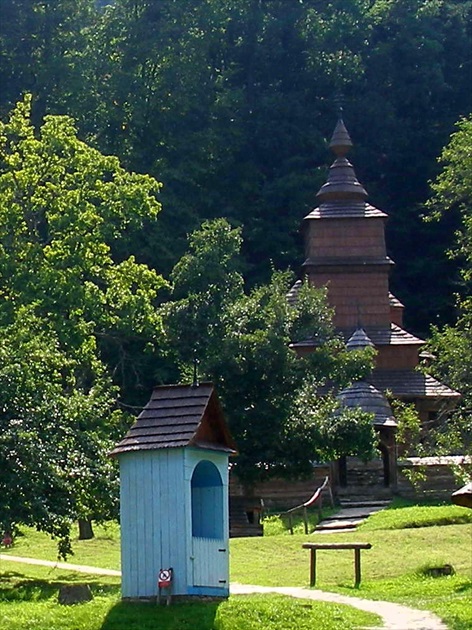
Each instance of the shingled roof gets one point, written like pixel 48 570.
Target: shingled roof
pixel 362 395
pixel 411 383
pixel 178 416
pixel 353 210
pixel 392 336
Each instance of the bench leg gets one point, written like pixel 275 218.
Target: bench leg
pixel 313 567
pixel 357 566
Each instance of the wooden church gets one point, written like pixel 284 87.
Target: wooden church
pixel 345 250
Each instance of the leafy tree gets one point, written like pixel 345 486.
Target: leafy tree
pixel 75 312
pixel 451 345
pixel 205 281
pixel 453 194
pixel 243 342
pixel 334 431
pixel 43 51
pixel 415 89
pixel 55 434
pixel 230 104
pixel 67 213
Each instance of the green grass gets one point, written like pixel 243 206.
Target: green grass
pixel 275 525
pixel 404 539
pixel 449 597
pixel 394 553
pixel 102 551
pixel 403 515
pixel 28 601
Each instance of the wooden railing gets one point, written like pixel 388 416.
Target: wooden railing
pixel 316 500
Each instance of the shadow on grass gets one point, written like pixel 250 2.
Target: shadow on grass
pixel 16 586
pixel 179 616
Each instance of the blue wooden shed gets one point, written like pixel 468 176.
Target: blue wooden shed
pixel 174 494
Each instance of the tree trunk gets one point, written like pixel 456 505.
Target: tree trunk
pixel 85 529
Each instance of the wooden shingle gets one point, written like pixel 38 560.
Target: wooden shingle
pixel 411 383
pixel 362 395
pixel 178 416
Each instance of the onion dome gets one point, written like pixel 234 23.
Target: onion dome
pixel 364 396
pixel 358 340
pixel 342 183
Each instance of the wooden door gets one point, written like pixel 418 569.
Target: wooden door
pixel 210 549
pixel 210 562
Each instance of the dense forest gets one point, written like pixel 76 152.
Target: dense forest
pixel 156 160
pixel 229 104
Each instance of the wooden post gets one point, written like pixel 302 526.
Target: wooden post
pixel 313 567
pixel 305 520
pixel 357 566
pixel 290 524
pixel 331 496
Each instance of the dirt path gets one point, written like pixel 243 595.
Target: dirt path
pixel 395 616
pixel 80 568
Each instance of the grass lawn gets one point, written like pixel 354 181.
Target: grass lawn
pixel 28 601
pixel 102 551
pixel 404 538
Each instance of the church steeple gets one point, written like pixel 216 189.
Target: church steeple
pixel 342 183
pixel 345 245
pixel 340 140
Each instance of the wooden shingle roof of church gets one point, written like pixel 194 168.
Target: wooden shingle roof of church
pixel 333 211
pixel 365 396
pixel 342 182
pixel 394 301
pixel 179 416
pixel 411 383
pixel 392 336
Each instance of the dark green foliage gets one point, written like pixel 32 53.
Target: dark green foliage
pixel 242 343
pixel 43 51
pixel 452 345
pixel 230 104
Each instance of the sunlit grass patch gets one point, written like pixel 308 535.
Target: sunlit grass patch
pixel 449 597
pixel 278 612
pixel 401 516
pixel 101 551
pixel 28 601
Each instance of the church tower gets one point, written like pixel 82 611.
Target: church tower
pixel 345 250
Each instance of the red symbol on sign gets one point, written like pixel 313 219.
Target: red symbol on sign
pixel 165 578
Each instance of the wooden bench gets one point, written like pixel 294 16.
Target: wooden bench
pixel 357 546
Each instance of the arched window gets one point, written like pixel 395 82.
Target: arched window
pixel 207 501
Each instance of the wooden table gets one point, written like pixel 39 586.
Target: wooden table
pixel 357 546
